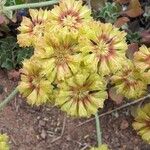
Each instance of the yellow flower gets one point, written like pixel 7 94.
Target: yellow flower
pixel 82 94
pixel 142 62
pixel 58 52
pixel 33 28
pixel 129 81
pixel 69 14
pixel 142 122
pixel 34 86
pixel 104 47
pixel 4 142
pixel 142 58
pixel 102 147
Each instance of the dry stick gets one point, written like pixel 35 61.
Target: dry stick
pixel 62 132
pixel 116 109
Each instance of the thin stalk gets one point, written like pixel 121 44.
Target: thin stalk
pixel 98 130
pixel 8 99
pixel 30 5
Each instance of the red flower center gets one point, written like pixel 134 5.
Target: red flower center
pixel 103 47
pixel 70 18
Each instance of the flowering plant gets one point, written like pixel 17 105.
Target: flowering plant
pixel 75 58
pixel 72 57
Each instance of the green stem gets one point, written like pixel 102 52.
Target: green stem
pixel 9 98
pixel 31 5
pixel 98 130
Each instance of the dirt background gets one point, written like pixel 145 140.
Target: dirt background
pixel 48 128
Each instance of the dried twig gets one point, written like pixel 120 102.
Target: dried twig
pixel 116 109
pixel 62 132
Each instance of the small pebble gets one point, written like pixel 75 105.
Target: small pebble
pixel 42 123
pixel 43 134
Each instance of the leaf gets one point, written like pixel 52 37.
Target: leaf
pixel 8 13
pixel 8 64
pixel 3 2
pixel 132 48
pixel 19 1
pixel 145 37
pixel 134 9
pixel 122 1
pixel 114 96
pixel 11 55
pixel 133 37
pixel 24 53
pixel 97 4
pixel 109 13
pixel 121 21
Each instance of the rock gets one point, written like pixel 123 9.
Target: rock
pixel 43 134
pixel 42 123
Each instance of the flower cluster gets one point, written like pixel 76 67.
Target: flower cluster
pixel 4 142
pixel 82 94
pixel 142 122
pixel 70 14
pixel 104 47
pixel 34 86
pixel 142 58
pixel 33 28
pixel 72 56
pixel 130 81
pixel 142 61
pixel 58 55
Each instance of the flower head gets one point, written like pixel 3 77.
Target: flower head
pixel 4 142
pixel 34 86
pixel 104 47
pixel 101 147
pixel 142 62
pixel 69 14
pixel 82 94
pixel 142 122
pixel 129 81
pixel 33 28
pixel 58 52
pixel 142 58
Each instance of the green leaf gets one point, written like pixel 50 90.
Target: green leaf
pixel 133 37
pixel 24 53
pixel 8 13
pixel 109 13
pixel 19 2
pixel 11 55
pixel 8 64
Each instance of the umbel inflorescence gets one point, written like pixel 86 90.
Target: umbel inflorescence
pixel 73 55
